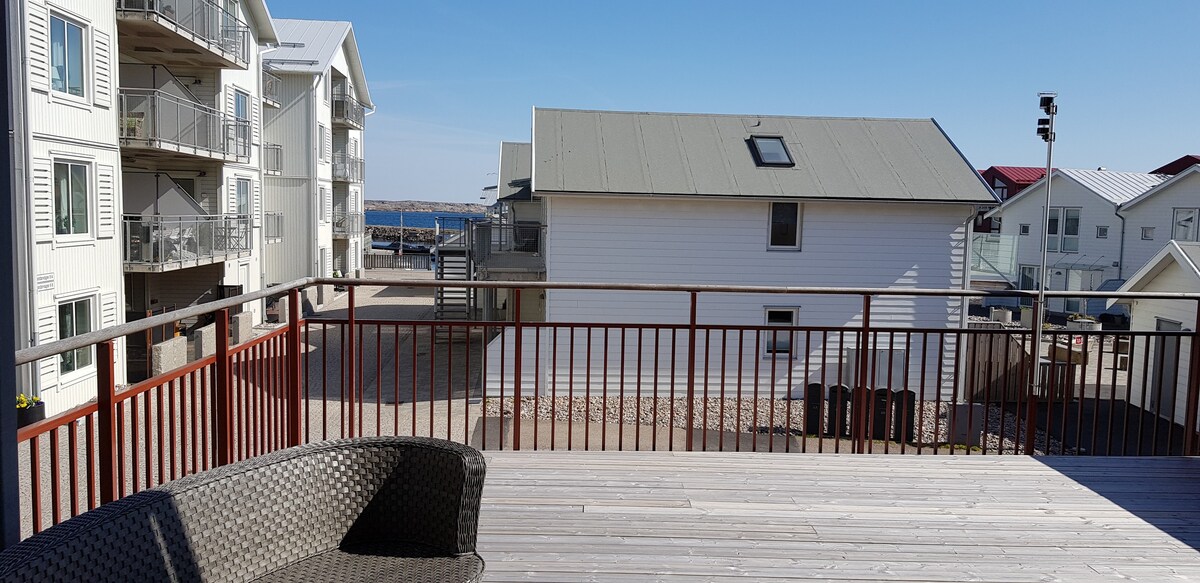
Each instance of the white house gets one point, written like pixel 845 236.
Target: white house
pixel 753 200
pixel 1159 366
pixel 1104 226
pixel 316 181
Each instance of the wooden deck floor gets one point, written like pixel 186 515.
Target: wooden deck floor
pixel 622 516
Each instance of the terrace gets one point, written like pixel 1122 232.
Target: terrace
pixel 705 469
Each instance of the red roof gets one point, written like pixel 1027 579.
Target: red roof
pixel 1020 174
pixel 1178 166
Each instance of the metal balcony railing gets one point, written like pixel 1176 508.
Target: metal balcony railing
pixel 348 110
pixel 272 159
pixel 156 119
pixel 204 20
pixel 347 223
pixel 167 242
pixel 861 386
pixel 348 168
pixel 273 225
pixel 507 246
pixel 271 85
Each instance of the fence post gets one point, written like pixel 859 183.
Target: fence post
pixel 223 395
pixel 294 376
pixel 1034 382
pixel 863 396
pixel 350 357
pixel 691 392
pixel 1193 394
pixel 516 426
pixel 106 417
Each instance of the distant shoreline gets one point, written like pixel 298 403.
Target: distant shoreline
pixel 424 206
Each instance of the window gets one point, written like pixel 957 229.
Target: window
pixel 778 341
pixel 1000 188
pixel 1028 280
pixel 75 318
pixel 70 198
pixel 1184 228
pixel 785 225
pixel 324 202
pixel 66 56
pixel 1024 229
pixel 770 151
pixel 1147 233
pixel 243 197
pixel 1102 232
pixel 321 143
pixel 1062 230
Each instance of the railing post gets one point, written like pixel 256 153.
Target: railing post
pixel 1034 382
pixel 223 395
pixel 106 417
pixel 350 357
pixel 1193 395
pixel 863 396
pixel 691 376
pixel 295 380
pixel 516 425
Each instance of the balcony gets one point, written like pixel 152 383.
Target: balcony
pixel 160 243
pixel 348 168
pixel 271 86
pixel 348 112
pixel 507 248
pixel 272 159
pixel 197 33
pixel 160 124
pixel 347 225
pixel 677 406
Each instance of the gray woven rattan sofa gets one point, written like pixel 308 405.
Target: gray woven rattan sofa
pixel 370 509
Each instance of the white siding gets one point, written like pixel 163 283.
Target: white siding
pixel 1158 212
pixel 1145 314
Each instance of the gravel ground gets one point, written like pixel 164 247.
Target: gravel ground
pixel 754 416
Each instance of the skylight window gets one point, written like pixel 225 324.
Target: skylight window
pixel 770 151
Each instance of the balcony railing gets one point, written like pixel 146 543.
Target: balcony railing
pixel 271 86
pixel 164 243
pixel 273 225
pixel 500 247
pixel 680 381
pixel 348 111
pixel 347 224
pixel 155 119
pixel 348 168
pixel 272 159
pixel 196 22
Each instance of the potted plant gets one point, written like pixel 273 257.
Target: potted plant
pixel 30 409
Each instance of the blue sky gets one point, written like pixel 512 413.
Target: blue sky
pixel 450 80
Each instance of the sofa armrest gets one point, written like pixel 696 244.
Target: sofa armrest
pixel 428 494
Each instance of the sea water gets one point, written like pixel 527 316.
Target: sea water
pixel 411 218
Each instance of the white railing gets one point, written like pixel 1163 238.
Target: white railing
pixel 349 110
pixel 177 241
pixel 204 19
pixel 155 118
pixel 348 168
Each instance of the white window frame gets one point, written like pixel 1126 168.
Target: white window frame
pixel 1000 188
pixel 326 204
pixel 795 246
pixel 1175 220
pixel 93 314
pixel 85 52
pixel 1147 233
pixel 1056 239
pixel 1101 231
pixel 770 337
pixel 241 197
pixel 1023 229
pixel 88 198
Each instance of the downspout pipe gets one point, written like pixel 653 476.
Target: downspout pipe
pixel 1121 253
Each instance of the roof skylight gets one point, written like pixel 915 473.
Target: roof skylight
pixel 770 151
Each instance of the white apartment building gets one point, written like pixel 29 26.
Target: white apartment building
pixel 143 186
pixel 315 182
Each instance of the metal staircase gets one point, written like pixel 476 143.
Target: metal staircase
pixel 454 263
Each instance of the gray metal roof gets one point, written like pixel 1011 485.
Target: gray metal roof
pixel 694 154
pixel 1116 187
pixel 311 46
pixel 514 174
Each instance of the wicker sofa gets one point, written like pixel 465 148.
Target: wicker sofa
pixel 370 509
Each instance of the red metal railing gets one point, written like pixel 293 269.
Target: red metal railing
pixel 600 385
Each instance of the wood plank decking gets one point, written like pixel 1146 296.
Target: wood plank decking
pixel 625 516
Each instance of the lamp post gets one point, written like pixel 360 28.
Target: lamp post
pixel 1045 129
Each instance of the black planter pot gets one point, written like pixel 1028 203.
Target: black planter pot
pixel 31 414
